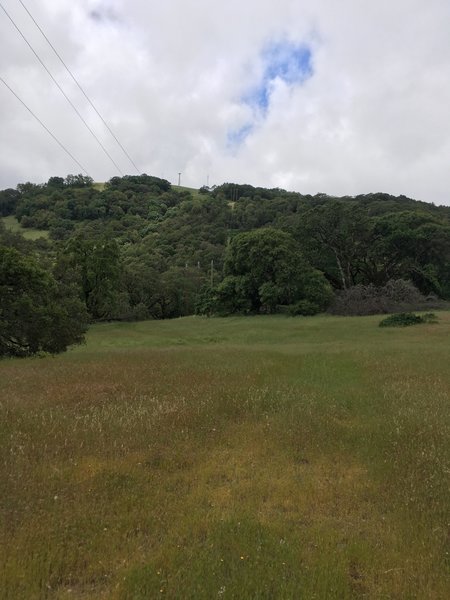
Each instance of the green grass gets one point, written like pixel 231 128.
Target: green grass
pixel 259 457
pixel 13 224
pixel 183 188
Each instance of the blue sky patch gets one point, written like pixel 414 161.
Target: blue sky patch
pixel 285 61
pixel 237 136
pixel 292 63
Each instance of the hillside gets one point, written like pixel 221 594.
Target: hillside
pixel 138 247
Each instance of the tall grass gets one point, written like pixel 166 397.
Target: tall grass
pixel 262 457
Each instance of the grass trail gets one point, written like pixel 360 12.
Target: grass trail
pixel 263 457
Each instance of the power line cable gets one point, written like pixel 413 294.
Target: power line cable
pixel 62 91
pixel 45 127
pixel 80 87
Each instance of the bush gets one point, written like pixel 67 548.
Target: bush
pixel 205 302
pixel 396 296
pixel 304 308
pixel 407 319
pixel 401 291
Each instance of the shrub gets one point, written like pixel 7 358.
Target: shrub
pixel 396 296
pixel 407 319
pixel 316 290
pixel 402 291
pixel 205 302
pixel 304 308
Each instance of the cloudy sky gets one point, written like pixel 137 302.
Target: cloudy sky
pixel 315 96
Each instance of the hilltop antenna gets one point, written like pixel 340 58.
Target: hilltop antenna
pixel 179 179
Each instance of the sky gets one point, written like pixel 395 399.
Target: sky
pixel 316 96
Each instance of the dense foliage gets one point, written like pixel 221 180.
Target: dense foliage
pixel 263 269
pixel 137 248
pixel 37 313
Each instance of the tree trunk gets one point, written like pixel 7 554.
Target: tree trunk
pixel 341 270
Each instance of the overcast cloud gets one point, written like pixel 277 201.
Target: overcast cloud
pixel 315 96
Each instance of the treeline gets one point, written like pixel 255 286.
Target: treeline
pixel 137 248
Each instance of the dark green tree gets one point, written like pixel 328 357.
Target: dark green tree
pixel 8 202
pixel 413 245
pixel 265 268
pixel 97 262
pixel 78 181
pixel 36 312
pixel 177 291
pixel 337 236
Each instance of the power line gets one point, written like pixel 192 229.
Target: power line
pixel 80 88
pixel 44 126
pixel 63 92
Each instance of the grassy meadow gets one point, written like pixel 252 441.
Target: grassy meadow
pixel 13 225
pixel 259 457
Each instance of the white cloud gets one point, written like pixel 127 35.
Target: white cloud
pixel 170 76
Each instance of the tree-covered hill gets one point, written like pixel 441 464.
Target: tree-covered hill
pixel 137 247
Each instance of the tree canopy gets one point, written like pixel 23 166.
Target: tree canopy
pixel 264 268
pixel 36 312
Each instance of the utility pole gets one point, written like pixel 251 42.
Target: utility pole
pixel 179 178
